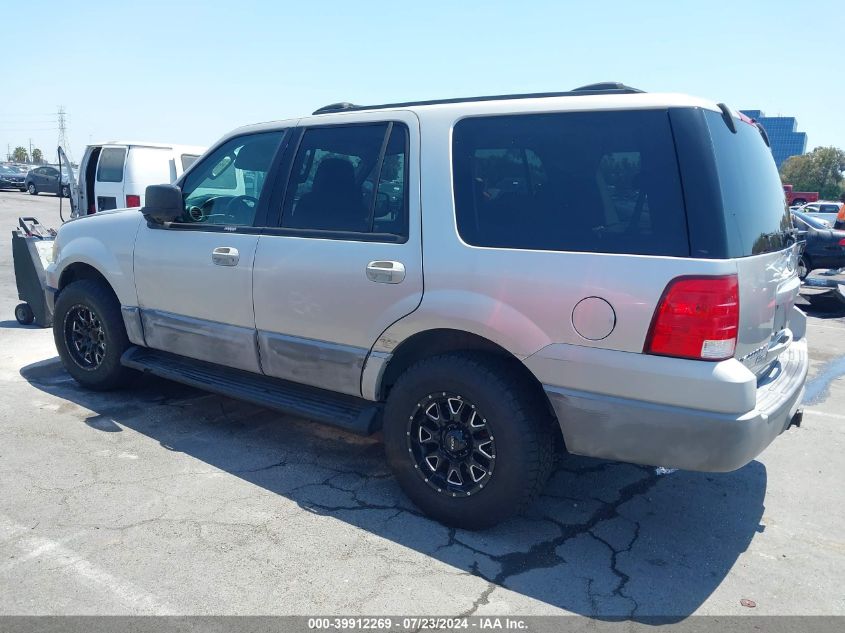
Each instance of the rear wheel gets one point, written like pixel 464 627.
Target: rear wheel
pixel 798 202
pixel 33 191
pixel 90 336
pixel 467 439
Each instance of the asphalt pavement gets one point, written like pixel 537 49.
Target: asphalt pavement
pixel 163 499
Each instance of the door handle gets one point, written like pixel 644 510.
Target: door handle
pixel 225 256
pixel 386 272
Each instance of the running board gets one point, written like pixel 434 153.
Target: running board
pixel 347 412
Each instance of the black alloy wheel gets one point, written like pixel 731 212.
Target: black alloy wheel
pixel 85 337
pixel 451 444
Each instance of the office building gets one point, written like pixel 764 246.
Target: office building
pixel 786 141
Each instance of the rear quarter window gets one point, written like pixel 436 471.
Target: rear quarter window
pixel 604 182
pixel 756 214
pixel 110 167
pixel 188 160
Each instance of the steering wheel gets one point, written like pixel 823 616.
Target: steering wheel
pixel 239 203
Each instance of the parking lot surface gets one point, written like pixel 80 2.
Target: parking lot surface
pixel 166 500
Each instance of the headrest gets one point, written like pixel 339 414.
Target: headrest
pixel 256 155
pixel 334 172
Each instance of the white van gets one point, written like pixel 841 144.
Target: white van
pixel 115 175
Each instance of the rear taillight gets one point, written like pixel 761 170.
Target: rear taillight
pixel 133 201
pixel 842 242
pixel 841 215
pixel 697 317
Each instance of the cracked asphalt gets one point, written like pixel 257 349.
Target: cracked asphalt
pixel 166 500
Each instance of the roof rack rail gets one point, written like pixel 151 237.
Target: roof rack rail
pixel 606 87
pixel 336 107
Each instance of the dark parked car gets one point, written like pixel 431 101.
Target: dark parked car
pixel 46 180
pixel 11 179
pixel 825 246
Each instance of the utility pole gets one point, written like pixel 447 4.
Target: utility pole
pixel 30 152
pixel 63 133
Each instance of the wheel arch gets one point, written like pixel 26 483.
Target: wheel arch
pixel 77 271
pixel 435 342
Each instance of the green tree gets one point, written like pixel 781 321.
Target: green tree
pixel 20 155
pixel 37 156
pixel 820 170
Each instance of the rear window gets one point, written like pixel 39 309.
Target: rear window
pixel 110 167
pixel 604 182
pixel 755 209
pixel 188 160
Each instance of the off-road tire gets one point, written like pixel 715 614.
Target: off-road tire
pixel 97 297
pixel 519 420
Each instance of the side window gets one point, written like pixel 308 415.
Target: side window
pixel 350 179
pixel 604 182
pixel 110 167
pixel 225 188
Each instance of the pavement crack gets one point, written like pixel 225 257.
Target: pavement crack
pixel 481 600
pixel 544 554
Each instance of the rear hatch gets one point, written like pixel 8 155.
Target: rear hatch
pixel 759 236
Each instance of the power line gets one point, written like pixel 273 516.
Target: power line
pixel 63 133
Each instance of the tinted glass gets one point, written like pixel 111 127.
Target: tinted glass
pixel 110 167
pixel 390 212
pixel 754 205
pixel 602 182
pixel 350 179
pixel 226 186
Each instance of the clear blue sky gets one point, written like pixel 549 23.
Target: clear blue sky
pixel 188 72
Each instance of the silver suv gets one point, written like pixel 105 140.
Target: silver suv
pixel 482 279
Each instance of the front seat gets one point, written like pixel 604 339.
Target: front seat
pixel 334 202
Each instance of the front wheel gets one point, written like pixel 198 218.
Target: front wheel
pixel 65 191
pixel 32 189
pixel 467 439
pixel 90 336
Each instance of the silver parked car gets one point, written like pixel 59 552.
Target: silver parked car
pixel 480 278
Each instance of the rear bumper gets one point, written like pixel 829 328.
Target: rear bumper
pixel 639 432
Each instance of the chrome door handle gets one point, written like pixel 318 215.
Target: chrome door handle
pixel 225 256
pixel 386 272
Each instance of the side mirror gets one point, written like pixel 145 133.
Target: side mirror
pixel 163 203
